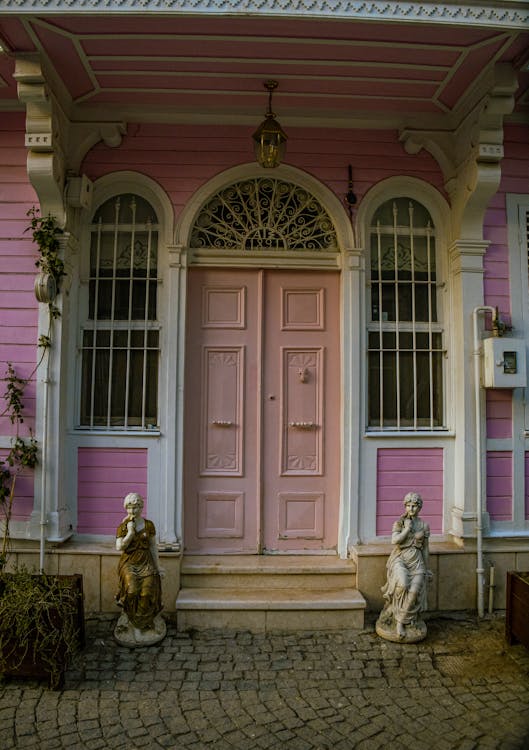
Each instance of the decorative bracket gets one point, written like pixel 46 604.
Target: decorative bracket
pixel 46 127
pixel 85 135
pixel 470 155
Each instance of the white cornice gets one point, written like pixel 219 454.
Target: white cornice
pixel 513 14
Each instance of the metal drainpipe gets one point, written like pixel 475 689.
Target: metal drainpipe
pixel 479 457
pixel 44 484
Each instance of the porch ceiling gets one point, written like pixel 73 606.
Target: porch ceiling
pixel 212 68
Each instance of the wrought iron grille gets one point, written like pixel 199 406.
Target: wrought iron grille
pixel 264 214
pixel 405 338
pixel 120 338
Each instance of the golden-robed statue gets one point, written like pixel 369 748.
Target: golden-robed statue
pixel 140 591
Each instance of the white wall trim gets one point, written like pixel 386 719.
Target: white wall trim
pixel 490 14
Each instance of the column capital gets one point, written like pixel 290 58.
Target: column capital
pixel 466 256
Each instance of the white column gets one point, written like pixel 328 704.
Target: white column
pixel 353 367
pixel 172 401
pixel 466 279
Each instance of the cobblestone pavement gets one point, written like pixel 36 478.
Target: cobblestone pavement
pixel 462 688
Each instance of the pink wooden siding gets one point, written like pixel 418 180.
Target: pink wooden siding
pixel 182 158
pixel 527 486
pixel 515 179
pixel 18 307
pixel 105 476
pixel 515 176
pixel 403 470
pixel 499 413
pixel 499 485
pixel 23 502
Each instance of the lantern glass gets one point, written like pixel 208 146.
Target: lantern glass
pixel 270 142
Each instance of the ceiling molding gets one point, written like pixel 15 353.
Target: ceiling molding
pixel 513 14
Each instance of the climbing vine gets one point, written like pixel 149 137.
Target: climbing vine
pixel 45 234
pixel 23 452
pixel 40 615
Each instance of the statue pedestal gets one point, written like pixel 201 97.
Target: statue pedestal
pixel 387 628
pixel 127 635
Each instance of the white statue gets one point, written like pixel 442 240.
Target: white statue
pixel 140 591
pixel 406 589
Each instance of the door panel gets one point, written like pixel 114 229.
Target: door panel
pixel 301 423
pixel 262 411
pixel 221 491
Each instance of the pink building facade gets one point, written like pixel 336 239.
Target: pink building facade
pixel 271 362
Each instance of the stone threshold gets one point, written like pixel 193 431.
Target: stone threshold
pixel 269 599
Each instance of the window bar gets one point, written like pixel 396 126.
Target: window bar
pixel 96 316
pixel 430 329
pixel 257 203
pixel 145 325
pixel 129 317
pixel 413 314
pixel 380 337
pixel 397 312
pixel 113 311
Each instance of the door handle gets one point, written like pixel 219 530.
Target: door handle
pixel 221 422
pixel 302 425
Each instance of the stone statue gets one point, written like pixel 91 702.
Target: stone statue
pixel 406 589
pixel 140 591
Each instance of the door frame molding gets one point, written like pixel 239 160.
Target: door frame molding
pixel 350 260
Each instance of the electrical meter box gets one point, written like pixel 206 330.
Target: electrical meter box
pixel 504 363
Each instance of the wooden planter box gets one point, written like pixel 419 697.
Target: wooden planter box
pixel 517 608
pixel 33 665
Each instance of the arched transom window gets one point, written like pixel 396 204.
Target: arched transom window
pixel 264 214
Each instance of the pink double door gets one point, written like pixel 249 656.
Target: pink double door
pixel 262 411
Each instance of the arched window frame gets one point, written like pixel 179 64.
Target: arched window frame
pixel 107 189
pixel 396 189
pixel 314 259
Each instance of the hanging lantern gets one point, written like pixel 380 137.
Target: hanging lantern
pixel 270 138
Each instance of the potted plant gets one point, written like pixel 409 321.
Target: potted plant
pixel 41 616
pixel 517 608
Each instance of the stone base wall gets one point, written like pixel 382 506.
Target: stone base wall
pixel 454 584
pixel 453 567
pixel 98 564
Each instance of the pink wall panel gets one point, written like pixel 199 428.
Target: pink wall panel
pixel 527 486
pixel 499 485
pixel 182 158
pixel 105 476
pixel 515 179
pixel 23 502
pixel 499 413
pixel 403 470
pixel 18 307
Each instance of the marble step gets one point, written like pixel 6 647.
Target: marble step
pixel 270 610
pixel 270 572
pixel 268 599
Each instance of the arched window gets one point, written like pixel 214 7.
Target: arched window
pixel 405 337
pixel 120 337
